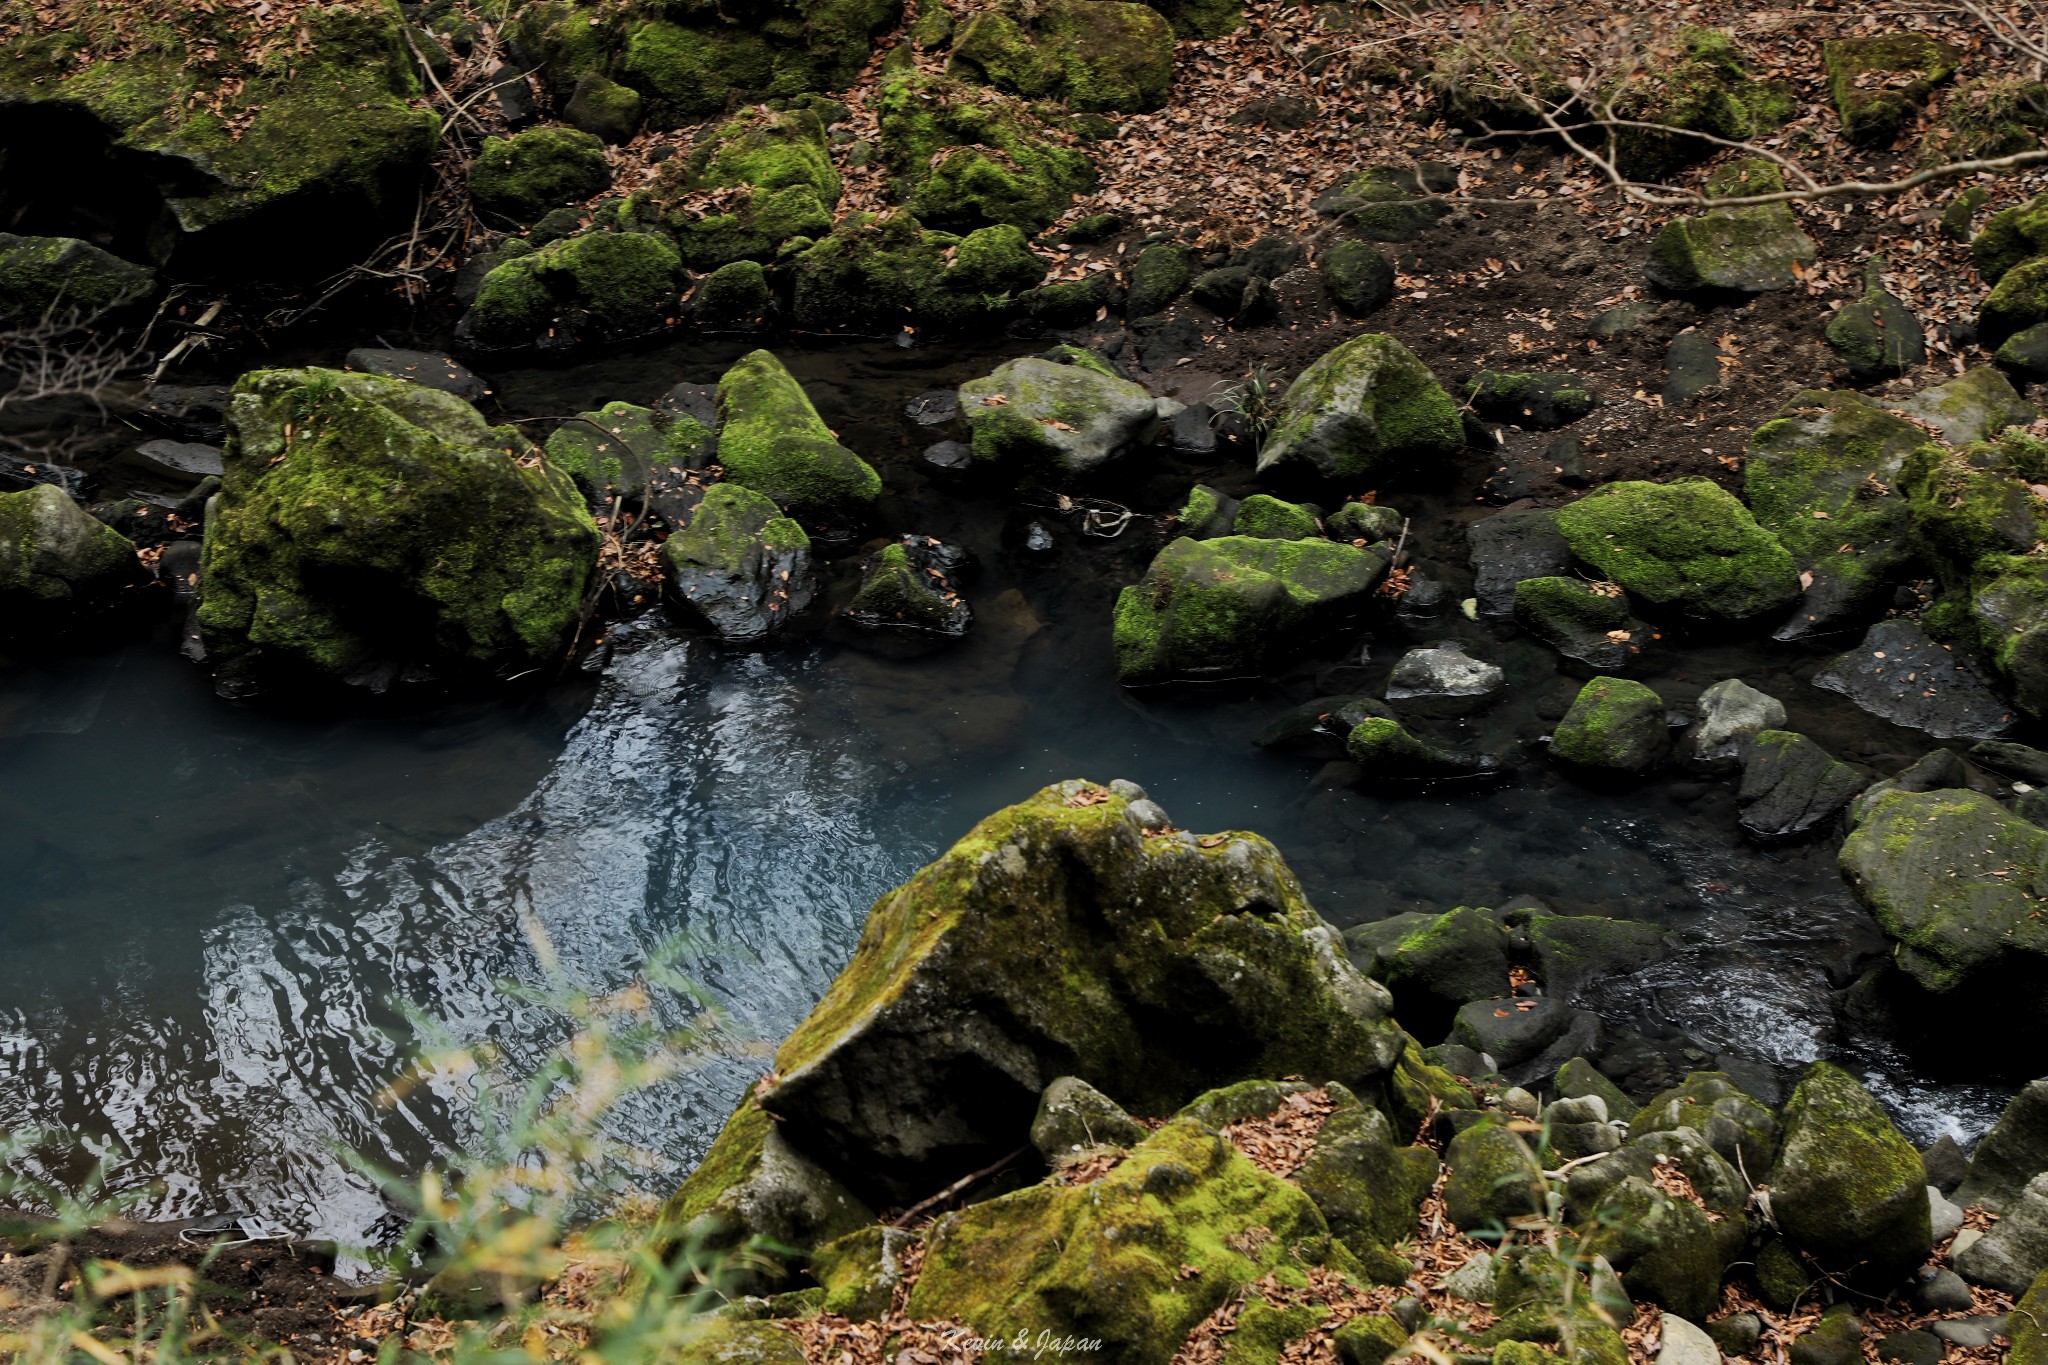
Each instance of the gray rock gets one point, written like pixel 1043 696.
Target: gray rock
pixel 1620 321
pixel 428 369
pixel 1571 1141
pixel 1837 1339
pixel 1737 1334
pixel 1100 416
pixel 1433 964
pixel 1509 1030
pixel 55 557
pixel 1369 1189
pixel 1750 250
pixel 1947 1166
pixel 1685 1344
pixel 786 1200
pixel 1937 1289
pixel 1578 1109
pixel 2006 756
pixel 1972 407
pixel 1443 680
pixel 1731 713
pixel 1944 1217
pixel 182 457
pixel 1971 1334
pixel 1791 786
pixel 1510 546
pixel 1075 1118
pixel 1494 1177
pixel 1472 1281
pixel 1900 674
pixel 1741 1129
pixel 1913 1347
pixel 1965 1239
pixel 1574 951
pixel 2010 1256
pixel 1692 365
pixel 1846 1188
pixel 2012 1153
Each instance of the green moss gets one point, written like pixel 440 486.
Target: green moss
pixel 1365 521
pixel 2028 1326
pixel 1615 724
pixel 1847 1188
pixel 1783 1280
pixel 2009 237
pixel 55 556
pixel 1263 1329
pixel 60 276
pixel 771 439
pixel 731 1160
pixel 1090 54
pixel 525 175
pixel 1706 88
pixel 1359 279
pixel 1201 516
pixel 1686 546
pixel 888 272
pixel 1234 605
pixel 895 591
pixel 1359 410
pixel 1418 1089
pixel 1160 275
pixel 963 160
pixel 603 108
pixel 2017 302
pixel 1494 1178
pixel 1989 117
pixel 1270 518
pixel 1669 1251
pixel 686 74
pixel 1567 609
pixel 611 450
pixel 364 520
pixel 1369 1189
pixel 768 150
pixel 599 286
pixel 1579 1077
pixel 1369 1339
pixel 1752 249
pixel 993 260
pixel 1875 111
pixel 734 295
pixel 1201 18
pixel 720 1340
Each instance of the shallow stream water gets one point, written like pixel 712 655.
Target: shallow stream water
pixel 211 910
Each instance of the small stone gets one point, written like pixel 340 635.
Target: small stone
pixel 1443 680
pixel 1971 1334
pixel 1939 1290
pixel 1686 1344
pixel 1912 1348
pixel 1737 1334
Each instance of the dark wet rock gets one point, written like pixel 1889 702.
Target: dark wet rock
pixel 1074 1119
pixel 1511 546
pixel 1207 514
pixel 948 457
pixel 909 599
pixel 1837 1339
pixel 1536 402
pixel 2014 1253
pixel 740 568
pixel 183 459
pixel 1877 335
pixel 1791 787
pixel 1434 964
pixel 185 412
pixel 1318 729
pixel 1237 605
pixel 1039 541
pixel 1974 406
pixel 2011 1154
pixel 1944 768
pixel 1911 1347
pixel 1688 548
pixel 1428 600
pixel 1580 621
pixel 2008 756
pixel 735 297
pixel 1270 256
pixel 1751 250
pixel 1494 1177
pixel 1058 416
pixel 1846 1188
pixel 1511 1029
pixel 1390 756
pixel 1692 365
pixel 1573 952
pixel 1360 280
pixel 1443 680
pixel 1900 674
pixel 427 368
pixel 1193 431
pixel 56 560
pixel 1364 523
pixel 1072 303
pixel 1948 1166
pixel 1614 725
pixel 1368 407
pixel 1823 476
pixel 1730 714
pixel 1234 294
pixel 1164 341
pixel 934 407
pixel 64 280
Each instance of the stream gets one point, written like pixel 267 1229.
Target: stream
pixel 213 912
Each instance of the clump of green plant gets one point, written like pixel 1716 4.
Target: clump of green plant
pixel 1255 399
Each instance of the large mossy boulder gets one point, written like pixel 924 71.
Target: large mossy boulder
pixel 592 288
pixel 1956 882
pixel 618 449
pixel 1707 87
pixel 56 560
pixel 1092 55
pixel 1748 249
pixel 771 439
pixel 1133 1261
pixel 1614 726
pixel 1058 416
pixel 1823 476
pixel 963 159
pixel 1237 605
pixel 273 141
pixel 1368 1187
pixel 523 176
pixel 1687 547
pixel 1742 1129
pixel 61 280
pixel 1880 82
pixel 1495 1179
pixel 369 529
pixel 749 186
pixel 1669 1248
pixel 740 568
pixel 1071 934
pixel 883 274
pixel 1434 963
pixel 2028 1326
pixel 1366 409
pixel 1846 1188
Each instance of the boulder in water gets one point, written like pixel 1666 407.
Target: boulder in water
pixel 1730 714
pixel 56 559
pixel 1509 548
pixel 740 568
pixel 1686 547
pixel 1388 755
pixel 1588 622
pixel 1614 725
pixel 1058 416
pixel 1900 674
pixel 771 439
pixel 1443 680
pixel 1791 786
pixel 909 599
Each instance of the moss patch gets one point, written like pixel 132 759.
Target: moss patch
pixel 1688 547
pixel 771 439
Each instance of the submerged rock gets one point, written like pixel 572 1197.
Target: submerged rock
pixel 740 568
pixel 1318 729
pixel 1367 408
pixel 1581 622
pixel 1389 755
pixel 1687 547
pixel 771 439
pixel 909 600
pixel 370 529
pixel 1236 605
pixel 1059 416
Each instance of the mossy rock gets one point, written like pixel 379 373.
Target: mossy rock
pixel 888 272
pixel 1668 1251
pixel 1579 1077
pixel 1976 405
pixel 1206 514
pixel 716 1339
pixel 611 451
pixel 291 154
pixel 1092 55
pixel 366 527
pixel 1365 523
pixel 1706 87
pixel 1847 1189
pixel 1989 117
pixel 1540 402
pixel 1369 1189
pixel 2028 1326
pixel 1056 417
pixel 767 149
pixel 1369 1339
pixel 964 159
pixel 907 597
pixel 1436 963
pixel 1879 83
pixel 1741 1128
pixel 1573 951
pixel 1954 881
pixel 2017 302
pixel 1495 1179
pixel 1389 755
pixel 55 559
pixel 1201 18
pixel 736 295
pixel 595 287
pixel 62 279
pixel 740 568
pixel 2010 236
pixel 1111 1261
pixel 1614 725
pixel 771 439
pixel 1272 519
pixel 1150 967
pixel 1687 547
pixel 1366 409
pixel 523 176
pixel 1161 273
pixel 1236 605
pixel 1391 203
pixel 1750 249
pixel 1877 335
pixel 1595 628
pixel 1359 279
pixel 603 108
pixel 1071 303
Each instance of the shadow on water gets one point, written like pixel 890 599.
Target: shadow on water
pixel 209 910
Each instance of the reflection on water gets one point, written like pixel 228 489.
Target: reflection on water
pixel 209 912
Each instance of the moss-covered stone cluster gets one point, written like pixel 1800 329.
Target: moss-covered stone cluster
pixel 1707 87
pixel 779 158
pixel 523 176
pixel 771 439
pixel 1750 249
pixel 597 286
pixel 1093 55
pixel 368 528
pixel 62 278
pixel 887 272
pixel 55 559
pixel 963 157
pixel 1880 82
